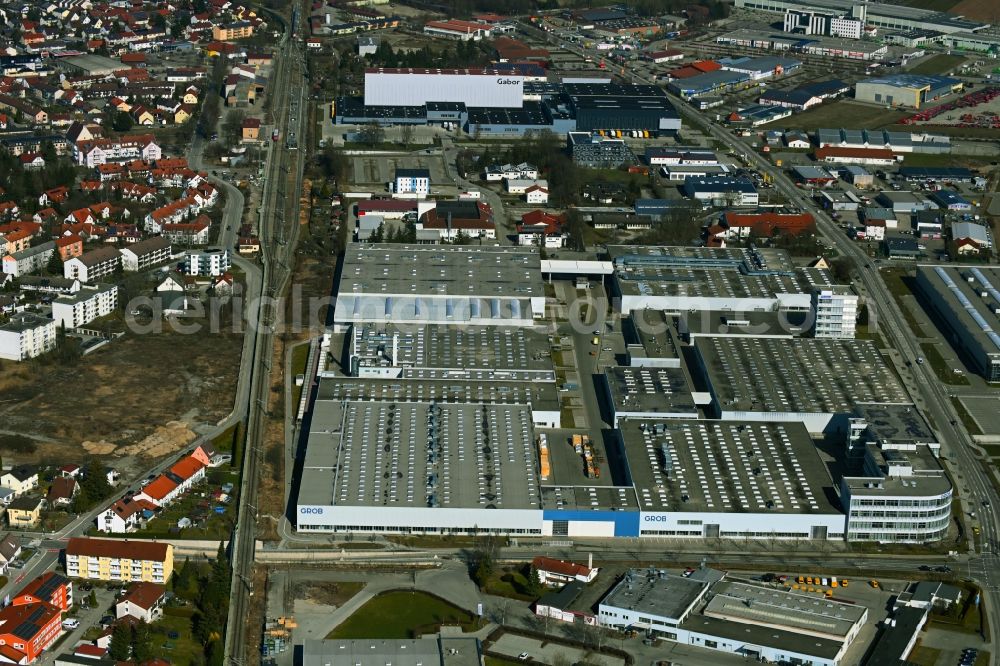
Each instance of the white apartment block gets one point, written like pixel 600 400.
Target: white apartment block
pixel 26 336
pixel 86 305
pixel 95 152
pixel 412 183
pixel 835 312
pixel 211 262
pixel 93 265
pixel 150 252
pixel 29 260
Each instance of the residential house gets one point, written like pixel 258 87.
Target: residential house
pixel 93 265
pixel 10 550
pixel 536 194
pixel 26 335
pixel 251 129
pixel 511 171
pixel 187 233
pixel 521 185
pixel 119 560
pixel 173 281
pixel 25 512
pixel 542 229
pixel 145 254
pixel 125 515
pixel 559 572
pixel 143 601
pixel 177 480
pixel 20 478
pixel 31 161
pixel 71 471
pixel 62 491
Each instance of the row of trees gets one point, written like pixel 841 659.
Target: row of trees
pixel 24 186
pixel 207 586
pixel 462 54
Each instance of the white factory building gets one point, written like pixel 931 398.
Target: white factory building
pixel 417 87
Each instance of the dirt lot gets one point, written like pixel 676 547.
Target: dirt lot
pixel 979 10
pixel 139 397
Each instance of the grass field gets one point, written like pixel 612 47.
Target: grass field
pixel 924 656
pixel 967 420
pixel 183 648
pixel 937 64
pixel 844 114
pixel 944 160
pixel 941 368
pixel 395 615
pixel 992 450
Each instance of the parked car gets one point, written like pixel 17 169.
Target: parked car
pixel 71 623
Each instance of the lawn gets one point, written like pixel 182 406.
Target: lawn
pixel 843 113
pixel 941 367
pixel 511 582
pixel 300 355
pixel 896 280
pixel 396 615
pixel 938 64
pixel 498 661
pixel 967 420
pixel 183 649
pixel 944 160
pixel 924 656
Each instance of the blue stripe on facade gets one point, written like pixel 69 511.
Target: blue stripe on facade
pixel 626 522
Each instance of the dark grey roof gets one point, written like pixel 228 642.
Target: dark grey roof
pixel 562 598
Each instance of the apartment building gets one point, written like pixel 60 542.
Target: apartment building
pixel 213 261
pixel 89 303
pixel 26 335
pixel 95 152
pixel 93 265
pixel 150 252
pixel 29 260
pixel 119 560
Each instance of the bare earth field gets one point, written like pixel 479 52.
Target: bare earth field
pixel 979 10
pixel 139 397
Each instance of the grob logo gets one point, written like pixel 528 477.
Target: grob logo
pixel 312 510
pixel 656 519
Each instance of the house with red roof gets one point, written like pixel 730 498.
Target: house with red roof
pixel 542 229
pixel 125 515
pixel 177 480
pixel 32 161
pixel 559 572
pixel 56 195
pixel 143 601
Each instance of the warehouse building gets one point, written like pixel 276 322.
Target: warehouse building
pixel 709 83
pixel 437 651
pixel 416 87
pixel 680 279
pixel 440 284
pixel 815 381
pixel 829 23
pixel 762 67
pixel 901 493
pixel 721 191
pixel 966 300
pixel 757 622
pixel 648 392
pixel 911 91
pixel 599 106
pixel 880 15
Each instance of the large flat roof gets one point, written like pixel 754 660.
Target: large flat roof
pixel 397 455
pixel 761 635
pixel 655 593
pixel 711 272
pixel 648 390
pixel 725 466
pixel 474 386
pixel 434 346
pixel 790 611
pixel 440 270
pixel 801 375
pixel 949 287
